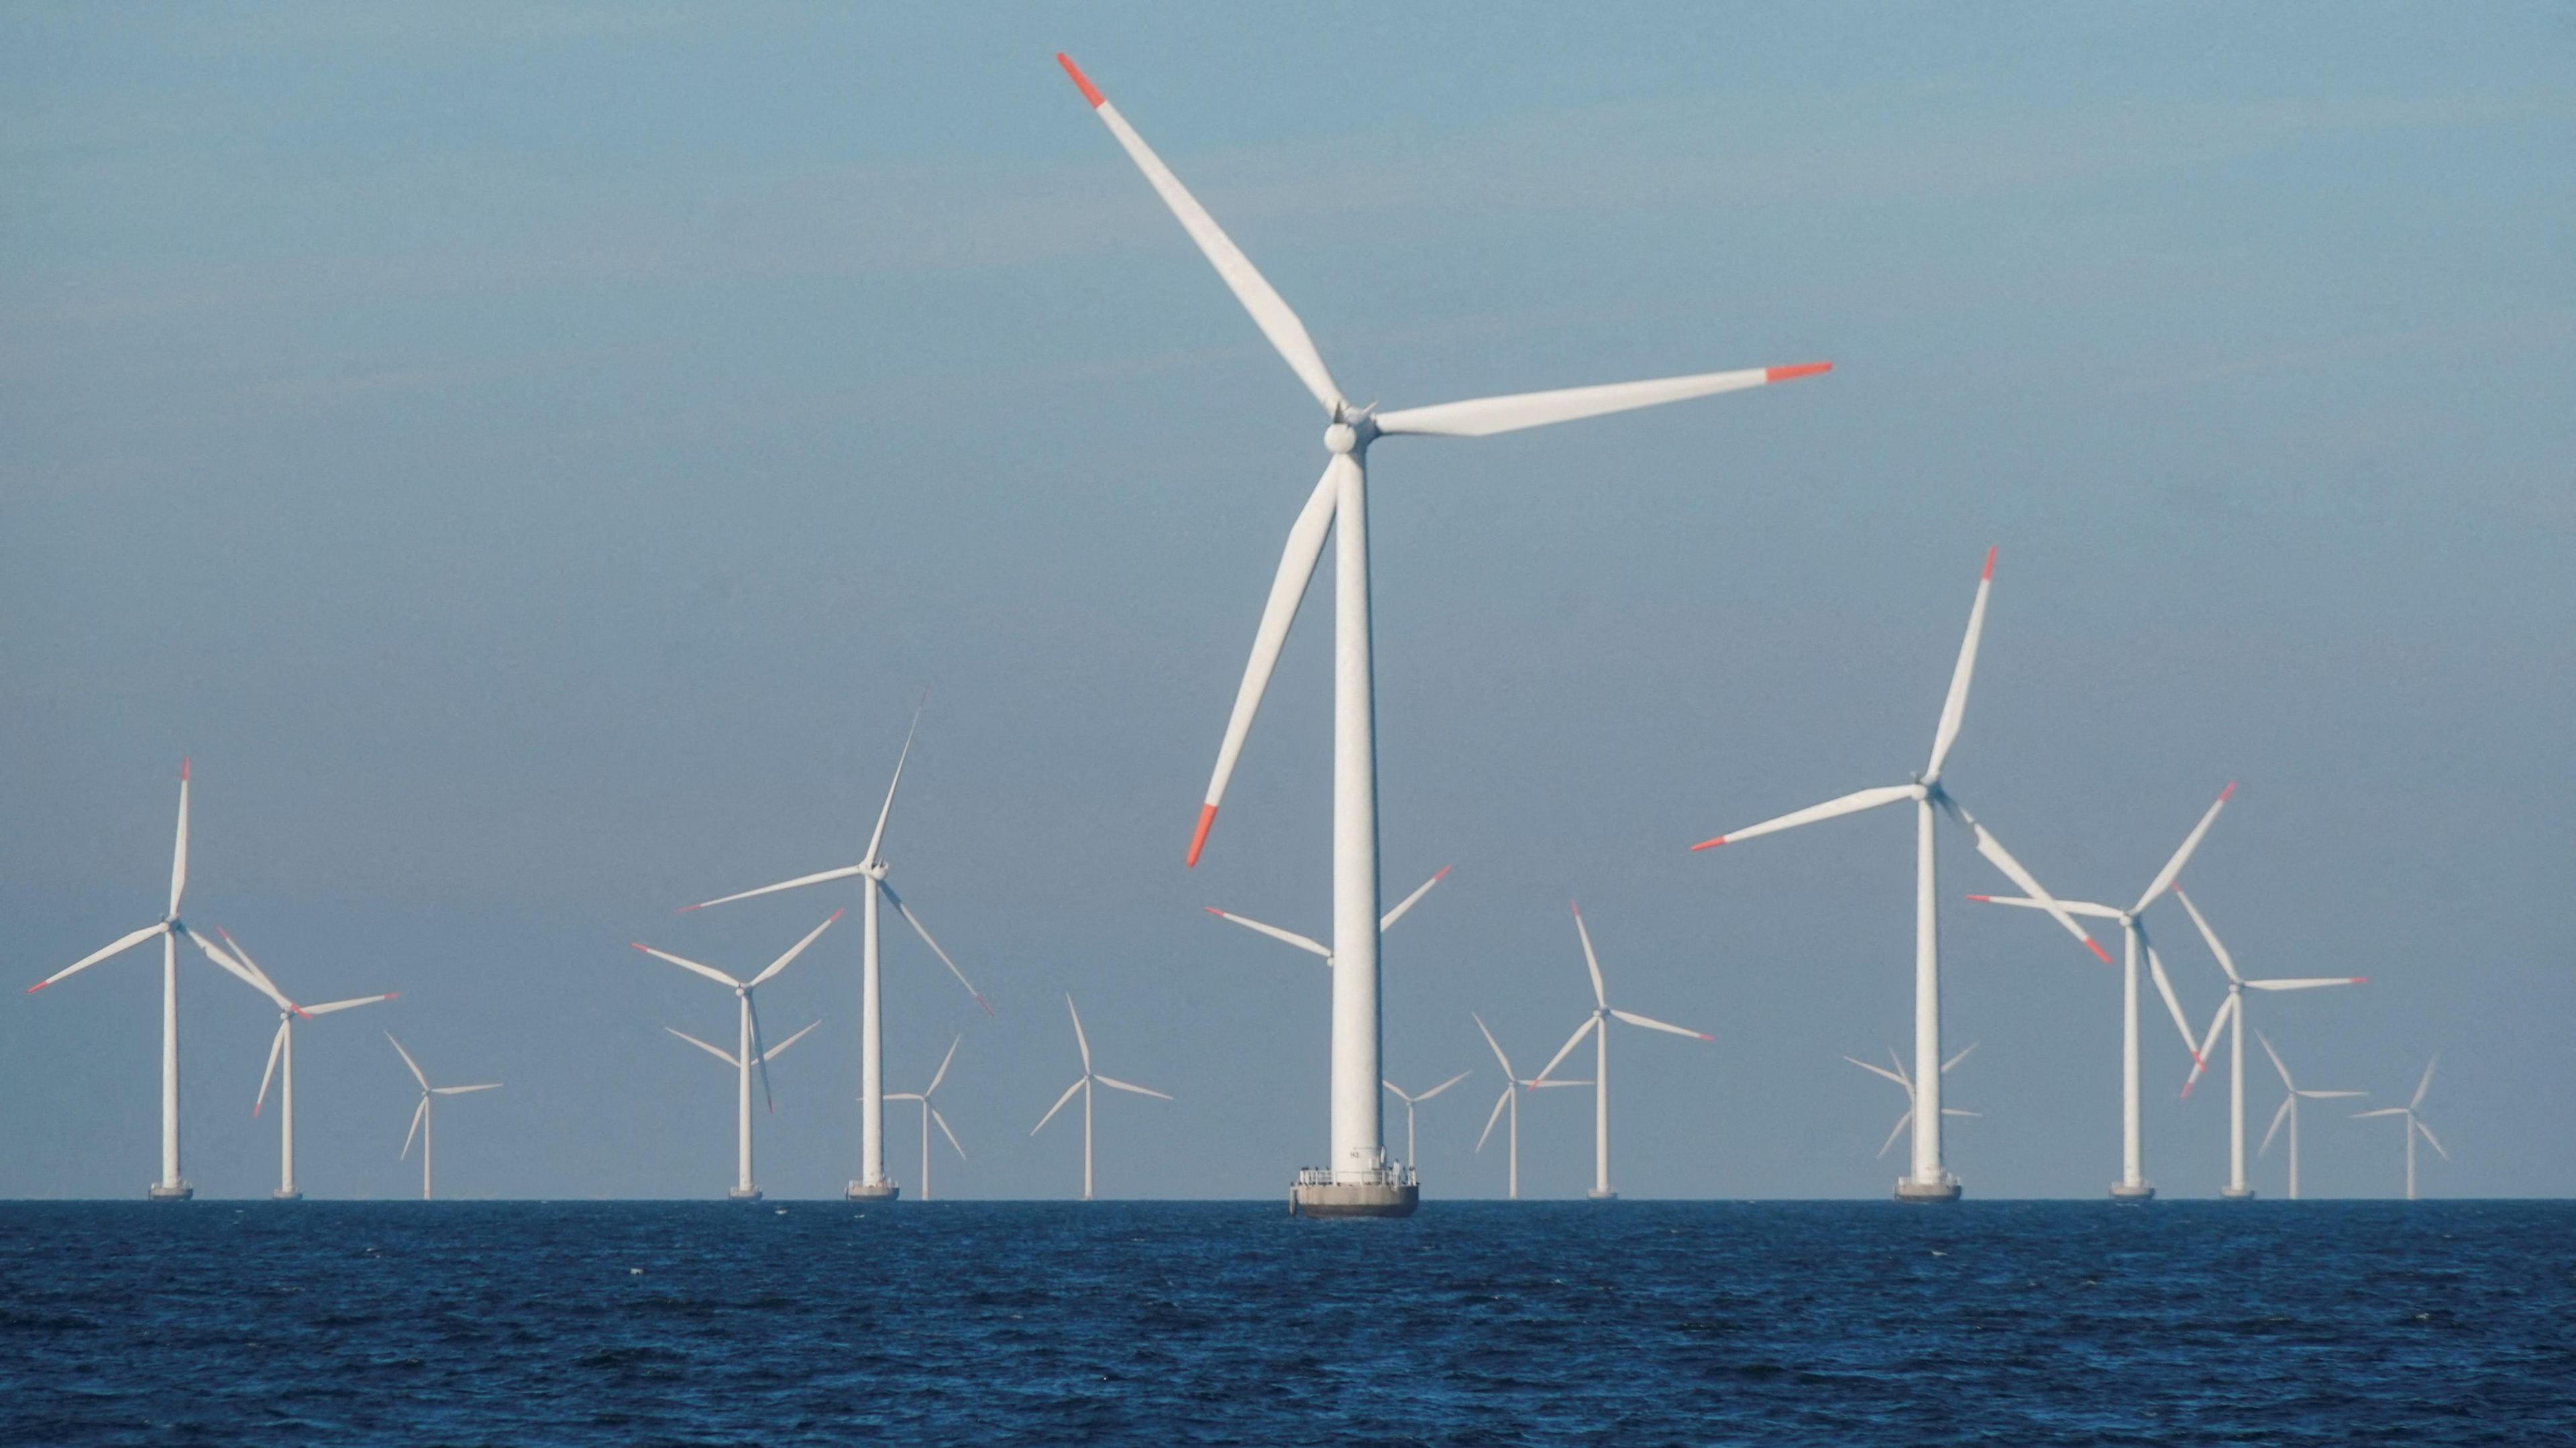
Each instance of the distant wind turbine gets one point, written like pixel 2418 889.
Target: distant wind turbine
pixel 930 1113
pixel 1510 1102
pixel 420 1122
pixel 1597 1026
pixel 1905 1083
pixel 748 1052
pixel 1088 1079
pixel 281 1047
pixel 2231 1013
pixel 2290 1110
pixel 2415 1126
pixel 1411 1102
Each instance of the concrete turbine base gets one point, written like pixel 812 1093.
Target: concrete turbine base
pixel 1353 1199
pixel 744 1194
pixel 2132 1191
pixel 1909 1190
pixel 2236 1194
pixel 159 1193
pixel 1602 1195
pixel 874 1191
pixel 286 1194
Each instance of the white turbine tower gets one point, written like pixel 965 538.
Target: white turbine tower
pixel 1358 1180
pixel 930 1113
pixel 170 1188
pixel 2290 1110
pixel 873 1183
pixel 1597 1026
pixel 1905 1083
pixel 1088 1079
pixel 1510 1101
pixel 2231 1014
pixel 281 1047
pixel 748 1052
pixel 2414 1123
pixel 1928 1178
pixel 420 1122
pixel 2133 1185
pixel 1411 1102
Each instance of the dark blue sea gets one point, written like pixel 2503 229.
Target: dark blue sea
pixel 1472 1323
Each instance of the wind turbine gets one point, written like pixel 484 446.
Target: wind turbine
pixel 930 1113
pixel 2133 1185
pixel 873 1183
pixel 1597 1025
pixel 1905 1083
pixel 170 1188
pixel 1084 1084
pixel 1358 1180
pixel 1411 1102
pixel 1928 1178
pixel 2232 1013
pixel 420 1123
pixel 1510 1101
pixel 2414 1123
pixel 747 1036
pixel 281 1047
pixel 2290 1109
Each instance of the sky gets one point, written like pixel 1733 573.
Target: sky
pixel 534 458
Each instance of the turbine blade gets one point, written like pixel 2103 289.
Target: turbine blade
pixel 2277 1118
pixel 408 1061
pixel 1591 962
pixel 2307 982
pixel 2331 1095
pixel 2071 907
pixel 2217 1023
pixel 774 1052
pixel 238 970
pixel 2430 1139
pixel 1997 856
pixel 1955 1111
pixel 1651 1024
pixel 2427 1083
pixel 1570 1043
pixel 924 932
pixel 759 1057
pixel 793 951
pixel 1499 1103
pixel 709 971
pixel 1954 708
pixel 1269 313
pixel 2286 1083
pixel 2191 842
pixel 1896 1131
pixel 719 1053
pixel 1485 416
pixel 944 1131
pixel 2173 1005
pixel 463 1090
pixel 1882 1071
pixel 1443 1086
pixel 843 873
pixel 1079 1039
pixel 1115 1084
pixel 1964 1053
pixel 258 978
pixel 876 838
pixel 417 1113
pixel 1498 1051
pixel 2382 1111
pixel 1398 1090
pixel 1287 592
pixel 328 1007
pixel 942 1073
pixel 276 1043
pixel 1058 1106
pixel 1274 932
pixel 123 943
pixel 1849 804
pixel 179 849
pixel 1407 903
pixel 2226 962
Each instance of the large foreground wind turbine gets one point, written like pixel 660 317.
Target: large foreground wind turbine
pixel 2414 1123
pixel 1357 1179
pixel 170 1188
pixel 420 1122
pixel 873 1183
pixel 1411 1102
pixel 1597 1025
pixel 281 1047
pixel 1088 1079
pixel 1905 1083
pixel 1510 1102
pixel 2231 1013
pixel 930 1113
pixel 2290 1109
pixel 748 1052
pixel 2133 1184
pixel 1928 1179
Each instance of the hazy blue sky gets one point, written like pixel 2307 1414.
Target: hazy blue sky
pixel 533 460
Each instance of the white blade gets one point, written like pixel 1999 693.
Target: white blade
pixel 276 1043
pixel 759 1057
pixel 1498 1050
pixel 719 1053
pixel 1273 931
pixel 924 932
pixel 1558 1081
pixel 1997 856
pixel 1849 804
pixel 1398 1090
pixel 2071 907
pixel 1115 1084
pixel 2286 1082
pixel 2226 962
pixel 1058 1106
pixel 1287 591
pixel 2383 1111
pixel 1955 1111
pixel 1079 1039
pixel 179 849
pixel 1964 1053
pixel 944 1131
pixel 2190 843
pixel 1443 1086
pixel 2331 1095
pixel 1485 416
pixel 2430 1139
pixel 1570 1043
pixel 774 1052
pixel 417 1113
pixel 463 1090
pixel 2217 1023
pixel 1654 1025
pixel 1902 1076
pixel 123 943
pixel 2277 1118
pixel 1955 707
pixel 795 950
pixel 2173 1005
pixel 1882 1071
pixel 1269 313
pixel 2307 982
pixel 1396 914
pixel 843 873
pixel 329 1006
pixel 1499 1103
pixel 2427 1083
pixel 241 971
pixel 876 838
pixel 942 1073
pixel 1896 1131
pixel 709 971
pixel 259 978
pixel 1591 962
pixel 408 1061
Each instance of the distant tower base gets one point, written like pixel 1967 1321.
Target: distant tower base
pixel 1602 1195
pixel 744 1194
pixel 2236 1194
pixel 159 1193
pixel 1944 1190
pixel 2131 1192
pixel 286 1194
pixel 874 1191
pixel 1393 1192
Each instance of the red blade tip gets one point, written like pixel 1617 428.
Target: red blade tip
pixel 1090 92
pixel 1983 899
pixel 2098 952
pixel 2230 789
pixel 183 769
pixel 1989 575
pixel 1198 838
pixel 837 914
pixel 1710 844
pixel 640 945
pixel 2358 980
pixel 1444 872
pixel 1212 910
pixel 40 985
pixel 2186 1089
pixel 1796 371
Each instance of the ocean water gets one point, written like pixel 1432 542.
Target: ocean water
pixel 1471 1323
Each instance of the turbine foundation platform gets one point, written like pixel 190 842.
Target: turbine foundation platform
pixel 1602 1195
pixel 744 1194
pixel 286 1194
pixel 874 1191
pixel 1385 1193
pixel 2132 1192
pixel 159 1193
pixel 1910 1190
pixel 2236 1194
